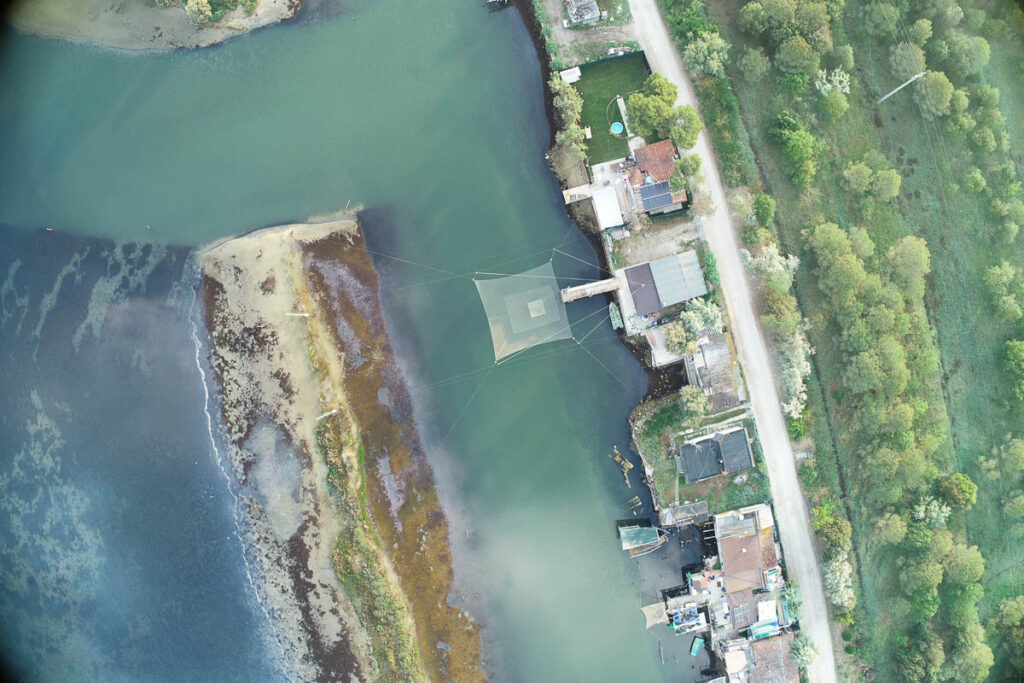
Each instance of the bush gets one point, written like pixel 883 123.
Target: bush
pixel 754 65
pixel 764 210
pixel 834 105
pixel 708 54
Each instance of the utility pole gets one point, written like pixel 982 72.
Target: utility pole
pixel 912 79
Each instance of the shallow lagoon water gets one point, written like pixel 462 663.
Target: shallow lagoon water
pixel 432 116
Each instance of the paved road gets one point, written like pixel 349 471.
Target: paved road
pixel 722 236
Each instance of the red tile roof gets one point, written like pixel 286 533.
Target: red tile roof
pixel 741 563
pixel 657 160
pixel 771 661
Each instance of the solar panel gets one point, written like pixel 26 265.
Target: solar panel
pixel 655 196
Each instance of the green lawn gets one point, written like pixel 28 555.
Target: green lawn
pixel 599 85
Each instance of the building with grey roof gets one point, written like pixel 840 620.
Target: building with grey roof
pixel 714 455
pixel 671 280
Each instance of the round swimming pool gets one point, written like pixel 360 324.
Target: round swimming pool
pixel 617 128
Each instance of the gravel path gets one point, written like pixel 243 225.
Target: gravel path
pixel 792 516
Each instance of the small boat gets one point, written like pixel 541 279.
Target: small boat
pixel 695 647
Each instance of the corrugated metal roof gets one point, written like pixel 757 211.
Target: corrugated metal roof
pixel 678 278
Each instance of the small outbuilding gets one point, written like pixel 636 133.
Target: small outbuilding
pixel 606 208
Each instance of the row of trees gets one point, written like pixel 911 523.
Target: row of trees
pixel 952 41
pixel 893 404
pixel 707 56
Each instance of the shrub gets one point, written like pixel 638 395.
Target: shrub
pixel 754 64
pixel 797 56
pixel 708 54
pixel 764 209
pixel 834 105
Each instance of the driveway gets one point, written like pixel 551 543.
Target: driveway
pixel 792 516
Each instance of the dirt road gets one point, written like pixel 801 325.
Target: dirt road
pixel 791 510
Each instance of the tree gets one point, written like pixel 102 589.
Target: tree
pixel 702 314
pixel 707 54
pixel 198 11
pixel 780 314
pixel 835 536
pixel 1010 622
pixel 879 18
pixel 886 184
pixel 684 127
pixel 650 109
pixel 910 261
pixel 842 57
pixel 802 651
pixel 958 491
pixel 689 165
pixel 964 565
pixel 1005 288
pixel 791 599
pixel 906 59
pixel 838 578
pixel 834 105
pixel 677 339
pixel 567 100
pixel 779 13
pixel 920 31
pixel 890 528
pixel 754 64
pixel 933 92
pixel 693 402
pixel 797 56
pixel 752 19
pixel 857 177
pixel 931 512
pixel 764 209
pixel 966 54
pixel 975 180
pixel 799 151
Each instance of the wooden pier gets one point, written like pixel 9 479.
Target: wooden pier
pixel 589 289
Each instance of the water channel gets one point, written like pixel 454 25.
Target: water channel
pixel 430 115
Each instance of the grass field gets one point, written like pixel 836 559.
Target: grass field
pixel 963 243
pixel 598 85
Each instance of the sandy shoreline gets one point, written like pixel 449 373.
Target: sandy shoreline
pixel 349 538
pixel 138 25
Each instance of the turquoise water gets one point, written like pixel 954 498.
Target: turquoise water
pixel 431 115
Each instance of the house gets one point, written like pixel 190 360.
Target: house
pixel 671 280
pixel 657 161
pixel 649 175
pixel 606 208
pixel 712 369
pixel 747 551
pixel 771 662
pixel 583 11
pixel 714 455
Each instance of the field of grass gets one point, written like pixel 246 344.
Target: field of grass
pixel 598 85
pixel 963 242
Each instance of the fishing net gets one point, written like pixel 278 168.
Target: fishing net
pixel 524 310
